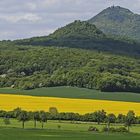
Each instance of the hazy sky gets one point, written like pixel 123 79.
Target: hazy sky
pixel 28 18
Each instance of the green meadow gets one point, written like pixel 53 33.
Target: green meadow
pixel 19 134
pixel 73 92
pixel 68 131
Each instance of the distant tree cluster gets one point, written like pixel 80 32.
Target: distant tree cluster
pixel 36 67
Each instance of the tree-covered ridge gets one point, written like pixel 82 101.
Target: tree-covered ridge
pixel 32 67
pixel 84 35
pixel 78 29
pixel 118 21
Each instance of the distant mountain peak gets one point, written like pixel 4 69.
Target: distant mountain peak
pixel 116 20
pixel 119 8
pixel 115 13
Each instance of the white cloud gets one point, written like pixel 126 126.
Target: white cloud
pixel 20 17
pixel 30 17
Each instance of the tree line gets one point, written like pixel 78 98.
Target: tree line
pixel 41 116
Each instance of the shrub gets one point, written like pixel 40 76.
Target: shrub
pixel 122 129
pixel 59 126
pixel 105 129
pixel 113 130
pixel 7 121
pixel 93 129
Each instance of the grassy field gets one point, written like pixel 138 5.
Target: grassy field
pixel 79 93
pixel 9 102
pixel 65 126
pixel 68 131
pixel 18 134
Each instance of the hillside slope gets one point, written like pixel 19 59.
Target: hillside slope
pixel 118 21
pixel 84 35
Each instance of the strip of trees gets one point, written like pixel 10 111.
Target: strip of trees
pixel 41 116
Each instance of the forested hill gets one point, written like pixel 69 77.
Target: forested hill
pixel 84 35
pixel 118 21
pixel 27 67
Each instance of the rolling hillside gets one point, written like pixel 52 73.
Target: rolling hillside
pixel 64 58
pixel 81 82
pixel 84 35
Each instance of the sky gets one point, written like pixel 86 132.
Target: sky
pixel 28 18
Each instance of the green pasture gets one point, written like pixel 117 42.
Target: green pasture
pixel 73 92
pixel 68 131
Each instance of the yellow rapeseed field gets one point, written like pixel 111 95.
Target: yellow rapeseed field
pixel 82 106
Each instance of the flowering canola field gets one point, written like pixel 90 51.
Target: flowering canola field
pixel 82 106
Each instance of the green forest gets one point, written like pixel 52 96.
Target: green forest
pixel 29 67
